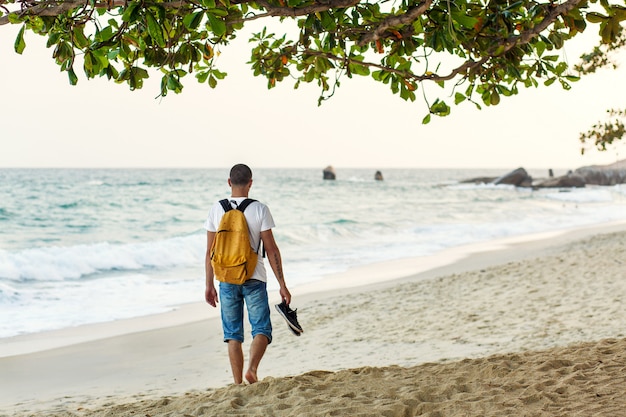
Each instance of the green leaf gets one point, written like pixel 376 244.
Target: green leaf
pixel 594 17
pixel 202 76
pixel 359 69
pixel 15 18
pixel 53 39
pixel 130 14
pixel 540 46
pixel 110 72
pixel 440 108
pixel 504 91
pixel 218 74
pixel 328 22
pixel 104 34
pixel 495 98
pixel 217 26
pixel 620 12
pixel 560 68
pixel 154 30
pixel 174 84
pixel 218 12
pixel 459 98
pixel 193 20
pixel 79 37
pixel 464 20
pixel 63 53
pixel 88 63
pixel 426 119
pixel 486 97
pixel 72 76
pixel 19 41
pixel 394 85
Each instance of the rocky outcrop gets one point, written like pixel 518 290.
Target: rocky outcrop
pixel 329 173
pixel 378 176
pixel 604 174
pixel 479 180
pixel 592 175
pixel 518 177
pixel 566 181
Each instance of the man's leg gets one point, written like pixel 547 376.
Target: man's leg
pixel 255 294
pixel 235 354
pixel 231 306
pixel 257 350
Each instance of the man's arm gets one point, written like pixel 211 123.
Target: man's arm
pixel 210 294
pixel 273 256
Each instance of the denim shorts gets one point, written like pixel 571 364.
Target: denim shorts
pixel 232 298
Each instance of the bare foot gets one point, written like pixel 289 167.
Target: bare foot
pixel 251 376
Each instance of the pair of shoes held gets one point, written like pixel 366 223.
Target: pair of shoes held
pixel 290 317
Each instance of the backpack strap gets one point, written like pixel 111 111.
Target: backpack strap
pixel 245 203
pixel 241 207
pixel 226 205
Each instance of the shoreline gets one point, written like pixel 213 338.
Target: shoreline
pixel 451 260
pixel 471 307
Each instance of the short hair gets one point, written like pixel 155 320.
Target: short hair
pixel 240 174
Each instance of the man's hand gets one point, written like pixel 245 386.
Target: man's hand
pixel 210 295
pixel 285 295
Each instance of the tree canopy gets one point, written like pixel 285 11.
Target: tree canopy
pixel 480 49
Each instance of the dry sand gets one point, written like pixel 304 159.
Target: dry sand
pixel 534 329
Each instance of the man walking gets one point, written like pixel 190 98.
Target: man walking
pixel 253 292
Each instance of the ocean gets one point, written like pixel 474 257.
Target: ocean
pixel 80 246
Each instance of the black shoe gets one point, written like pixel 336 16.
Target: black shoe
pixel 290 317
pixel 295 332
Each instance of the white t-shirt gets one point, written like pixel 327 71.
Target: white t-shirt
pixel 259 220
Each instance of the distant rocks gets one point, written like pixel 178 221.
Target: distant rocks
pixel 518 177
pixel 329 173
pixel 570 180
pixel 479 180
pixel 593 175
pixel 604 174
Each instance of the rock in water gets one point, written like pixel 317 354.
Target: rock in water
pixel 329 173
pixel 518 177
pixel 604 174
pixel 570 180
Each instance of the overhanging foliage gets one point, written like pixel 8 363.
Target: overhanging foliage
pixel 483 49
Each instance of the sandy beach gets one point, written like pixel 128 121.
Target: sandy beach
pixel 533 327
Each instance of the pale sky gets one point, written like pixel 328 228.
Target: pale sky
pixel 48 123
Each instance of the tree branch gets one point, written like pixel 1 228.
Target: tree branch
pixel 555 12
pixel 508 43
pixel 281 11
pixel 401 20
pixel 56 8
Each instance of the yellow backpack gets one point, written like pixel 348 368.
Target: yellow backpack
pixel 232 257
